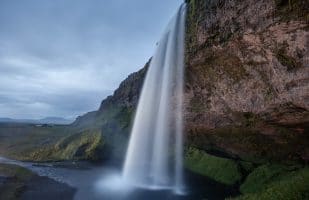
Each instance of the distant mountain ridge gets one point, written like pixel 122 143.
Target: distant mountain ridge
pixel 47 120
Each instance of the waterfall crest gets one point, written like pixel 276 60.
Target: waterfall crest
pixel 155 153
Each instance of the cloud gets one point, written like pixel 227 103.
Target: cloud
pixel 62 57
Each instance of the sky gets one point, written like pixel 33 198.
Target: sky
pixel 61 58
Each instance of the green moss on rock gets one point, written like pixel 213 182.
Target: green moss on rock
pixel 223 170
pixel 260 177
pixel 276 182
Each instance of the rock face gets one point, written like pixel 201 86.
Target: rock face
pixel 247 87
pixel 243 57
pixel 127 94
pixel 247 82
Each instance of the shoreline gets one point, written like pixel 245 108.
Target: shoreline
pixel 18 182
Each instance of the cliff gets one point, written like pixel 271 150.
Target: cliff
pixel 246 95
pixel 246 87
pixel 247 78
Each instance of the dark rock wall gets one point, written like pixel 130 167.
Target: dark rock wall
pixel 247 86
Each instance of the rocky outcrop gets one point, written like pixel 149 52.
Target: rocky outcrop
pixel 247 87
pixel 128 92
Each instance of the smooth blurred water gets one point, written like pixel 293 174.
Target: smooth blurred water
pixel 154 157
pixel 94 182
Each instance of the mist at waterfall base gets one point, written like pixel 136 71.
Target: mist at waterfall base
pixel 154 159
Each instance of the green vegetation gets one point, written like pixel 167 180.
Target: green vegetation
pixel 267 181
pixel 261 177
pixel 18 141
pixel 223 170
pixel 276 182
pixel 54 143
pixel 81 146
pixel 94 136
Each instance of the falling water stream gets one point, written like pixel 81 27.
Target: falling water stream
pixel 155 153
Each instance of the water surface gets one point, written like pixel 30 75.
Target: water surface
pixel 96 182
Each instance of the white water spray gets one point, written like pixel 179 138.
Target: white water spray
pixel 155 153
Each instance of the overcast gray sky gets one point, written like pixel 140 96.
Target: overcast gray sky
pixel 62 57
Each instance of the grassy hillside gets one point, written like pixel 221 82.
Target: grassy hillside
pixel 49 143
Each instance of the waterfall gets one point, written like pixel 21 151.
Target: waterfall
pixel 155 153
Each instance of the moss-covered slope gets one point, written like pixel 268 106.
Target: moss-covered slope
pixel 276 182
pixel 223 170
pixel 50 143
